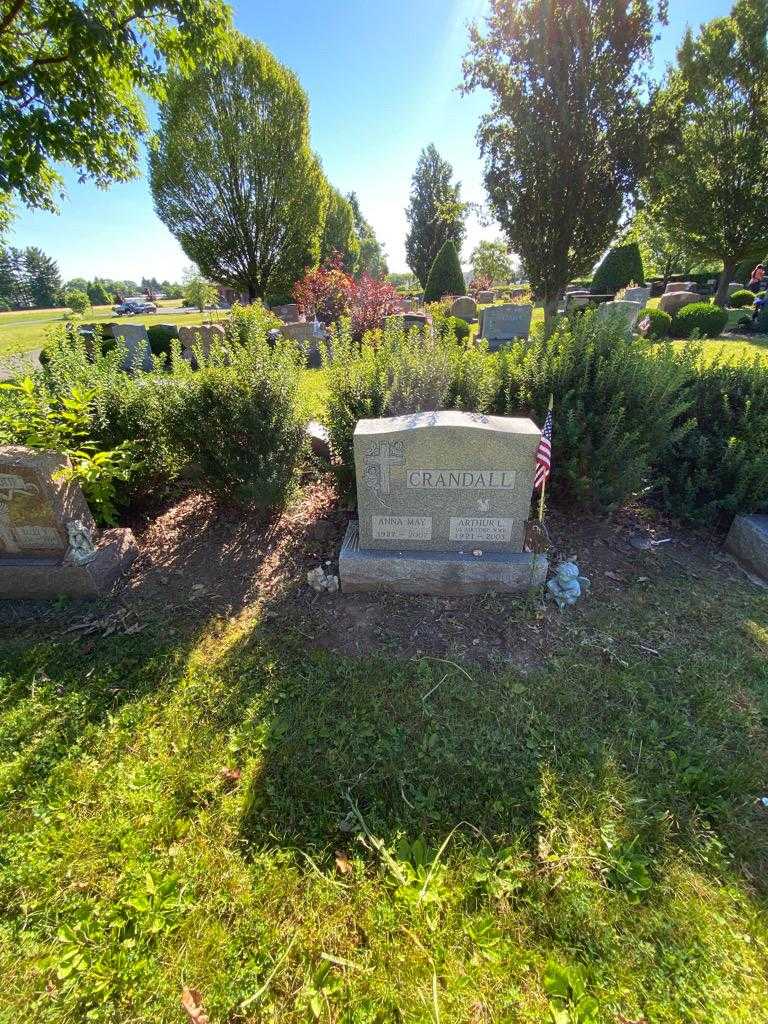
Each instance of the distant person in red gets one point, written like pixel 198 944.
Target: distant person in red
pixel 757 282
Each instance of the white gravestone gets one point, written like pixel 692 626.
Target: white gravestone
pixel 500 324
pixel 443 499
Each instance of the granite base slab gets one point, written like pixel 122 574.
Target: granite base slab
pixel 748 541
pixel 446 573
pixel 44 578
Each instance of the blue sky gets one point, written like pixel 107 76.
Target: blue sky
pixel 381 80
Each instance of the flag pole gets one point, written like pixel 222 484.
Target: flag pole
pixel 544 481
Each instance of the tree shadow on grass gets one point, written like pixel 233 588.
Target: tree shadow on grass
pixel 416 748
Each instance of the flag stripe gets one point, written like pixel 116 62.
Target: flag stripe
pixel 544 454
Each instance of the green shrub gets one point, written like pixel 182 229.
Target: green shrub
pixel 126 407
pixel 616 400
pixel 403 372
pixel 621 266
pixel 459 327
pixel 704 318
pixel 247 325
pixel 445 276
pixel 740 299
pixel 717 463
pixel 160 339
pixel 238 424
pixel 32 415
pixel 77 300
pixel 661 322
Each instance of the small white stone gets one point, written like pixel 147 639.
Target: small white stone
pixel 477 552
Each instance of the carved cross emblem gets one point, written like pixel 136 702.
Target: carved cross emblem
pixel 379 459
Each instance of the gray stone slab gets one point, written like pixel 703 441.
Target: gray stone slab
pixel 48 543
pixel 136 341
pixel 450 481
pixel 673 302
pixel 50 578
pixel 748 541
pixel 465 307
pixel 638 294
pixel 500 324
pixel 436 572
pixel 628 311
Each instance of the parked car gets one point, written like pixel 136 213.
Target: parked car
pixel 134 306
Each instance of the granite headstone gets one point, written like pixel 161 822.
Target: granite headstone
pixel 506 322
pixel 465 308
pixel 138 354
pixel 628 311
pixel 443 499
pixel 48 539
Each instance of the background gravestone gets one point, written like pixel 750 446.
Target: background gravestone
pixel 136 340
pixel 486 297
pixel 48 544
pixel 637 294
pixel 673 302
pixel 465 307
pixel 629 311
pixel 443 500
pixel 506 322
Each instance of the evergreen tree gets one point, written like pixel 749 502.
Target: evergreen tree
pixel 42 276
pixel 372 259
pixel 7 281
pixel 621 266
pixel 445 276
pixel 339 234
pixel 98 293
pixel 435 212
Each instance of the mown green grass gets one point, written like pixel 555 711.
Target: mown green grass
pixel 170 814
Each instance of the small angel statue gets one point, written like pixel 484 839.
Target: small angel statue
pixel 81 546
pixel 566 585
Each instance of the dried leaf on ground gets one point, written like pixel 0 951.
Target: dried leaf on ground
pixel 192 1003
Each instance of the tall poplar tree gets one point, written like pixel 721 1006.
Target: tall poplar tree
pixel 435 212
pixel 564 141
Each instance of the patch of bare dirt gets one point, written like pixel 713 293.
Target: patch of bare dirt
pixel 200 561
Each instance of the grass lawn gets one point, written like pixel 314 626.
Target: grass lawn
pixel 304 836
pixel 20 332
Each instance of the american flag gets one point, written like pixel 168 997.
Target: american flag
pixel 544 455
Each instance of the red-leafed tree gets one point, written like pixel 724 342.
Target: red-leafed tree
pixel 325 293
pixel 373 301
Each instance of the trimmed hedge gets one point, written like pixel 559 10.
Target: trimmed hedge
pixel 459 327
pixel 661 322
pixel 160 339
pixel 445 276
pixel 702 317
pixel 622 265
pixel 740 299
